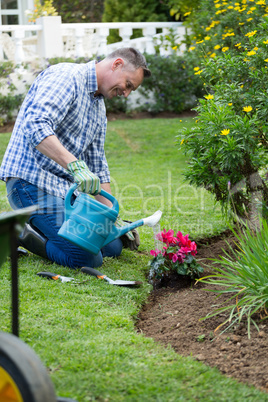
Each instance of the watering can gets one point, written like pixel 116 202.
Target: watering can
pixel 89 224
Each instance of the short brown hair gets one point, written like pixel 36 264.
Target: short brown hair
pixel 133 57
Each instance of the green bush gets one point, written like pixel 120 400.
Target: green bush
pixel 74 11
pixel 173 85
pixel 245 277
pixel 9 100
pixel 228 143
pixel 129 11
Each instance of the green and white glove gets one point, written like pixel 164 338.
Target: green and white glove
pixel 88 182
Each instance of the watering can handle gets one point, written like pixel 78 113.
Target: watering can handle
pixel 102 193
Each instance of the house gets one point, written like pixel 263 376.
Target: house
pixel 12 12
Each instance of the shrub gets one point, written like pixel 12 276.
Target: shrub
pixel 229 142
pixel 10 101
pixel 125 11
pixel 245 277
pixel 173 85
pixel 74 11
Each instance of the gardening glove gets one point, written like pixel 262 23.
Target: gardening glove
pixel 88 181
pixel 130 239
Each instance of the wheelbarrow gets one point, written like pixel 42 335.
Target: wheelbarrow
pixel 23 378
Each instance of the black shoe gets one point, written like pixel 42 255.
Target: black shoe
pixel 33 240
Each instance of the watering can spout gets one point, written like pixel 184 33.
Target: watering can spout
pixel 120 231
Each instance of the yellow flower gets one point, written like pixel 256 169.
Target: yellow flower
pixel 217 47
pixel 175 47
pixel 185 14
pixel 266 60
pixel 228 34
pixel 251 53
pixel 198 72
pixel 255 48
pixel 265 42
pixel 182 141
pixel 191 48
pixel 213 55
pixel 247 109
pixel 224 49
pixel 225 131
pixel 230 104
pixel 209 97
pixel 207 38
pixel 249 19
pixel 196 68
pixel 238 44
pixel 250 34
pixel 200 41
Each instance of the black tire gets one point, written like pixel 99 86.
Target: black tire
pixel 22 374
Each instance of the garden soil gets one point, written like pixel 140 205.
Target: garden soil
pixel 173 313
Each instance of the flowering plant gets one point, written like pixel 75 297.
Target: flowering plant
pixel 177 254
pixel 41 10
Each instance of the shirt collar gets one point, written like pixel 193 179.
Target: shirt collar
pixel 92 80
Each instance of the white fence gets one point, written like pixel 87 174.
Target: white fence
pixel 49 37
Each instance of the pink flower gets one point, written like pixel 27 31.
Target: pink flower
pixel 167 236
pixel 155 252
pixel 175 257
pixel 183 240
pixel 185 250
pixel 193 248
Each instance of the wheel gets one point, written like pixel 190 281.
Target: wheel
pixel 23 378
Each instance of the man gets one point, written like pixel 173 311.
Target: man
pixel 59 139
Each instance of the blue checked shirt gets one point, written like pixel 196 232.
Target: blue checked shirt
pixel 60 102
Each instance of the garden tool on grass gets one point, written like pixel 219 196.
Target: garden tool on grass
pixel 55 277
pixel 89 224
pixel 99 275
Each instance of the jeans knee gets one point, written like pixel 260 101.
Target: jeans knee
pixel 113 249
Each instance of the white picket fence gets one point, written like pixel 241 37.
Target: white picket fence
pixel 49 37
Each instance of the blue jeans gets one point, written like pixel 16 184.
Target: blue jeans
pixel 48 219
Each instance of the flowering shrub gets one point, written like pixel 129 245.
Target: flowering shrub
pixel 230 138
pixel 177 254
pixel 41 10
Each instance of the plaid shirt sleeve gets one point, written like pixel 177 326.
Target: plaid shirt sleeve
pixel 53 96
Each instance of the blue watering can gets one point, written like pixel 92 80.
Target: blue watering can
pixel 90 224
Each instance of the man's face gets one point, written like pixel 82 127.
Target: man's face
pixel 121 80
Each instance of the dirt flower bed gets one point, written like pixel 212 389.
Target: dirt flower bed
pixel 172 317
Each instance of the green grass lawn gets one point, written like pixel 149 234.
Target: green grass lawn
pixel 85 333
